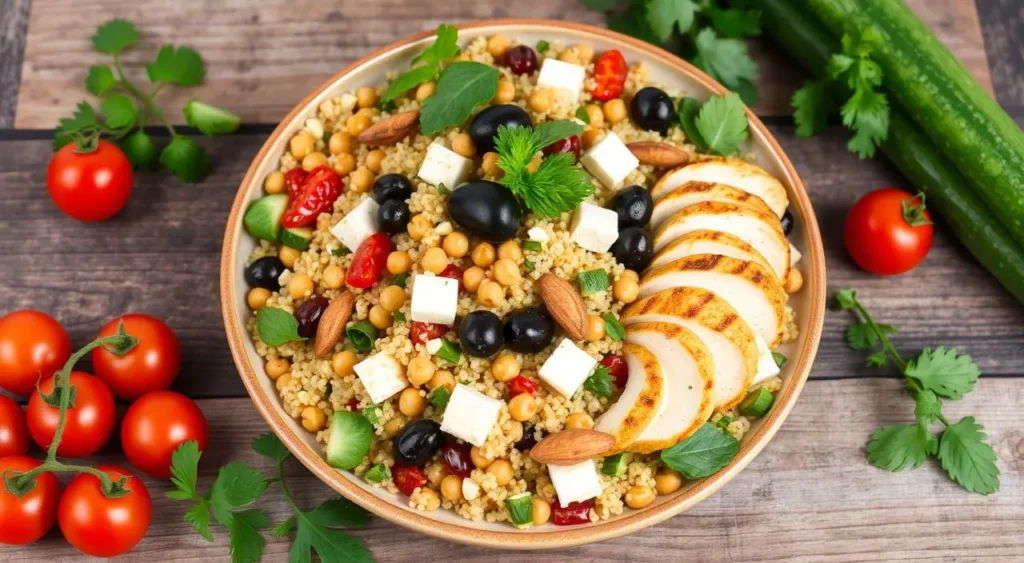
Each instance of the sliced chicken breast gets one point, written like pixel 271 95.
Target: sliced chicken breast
pixel 708 242
pixel 697 192
pixel 640 400
pixel 731 171
pixel 753 291
pixel 689 383
pixel 763 231
pixel 729 339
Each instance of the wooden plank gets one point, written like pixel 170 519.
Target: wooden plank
pixel 1002 21
pixel 13 28
pixel 263 57
pixel 853 512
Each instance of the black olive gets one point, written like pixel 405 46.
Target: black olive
pixel 418 442
pixel 308 314
pixel 393 216
pixel 485 125
pixel 529 439
pixel 529 331
pixel 480 334
pixel 486 209
pixel 633 249
pixel 392 186
pixel 264 273
pixel 652 109
pixel 787 222
pixel 634 206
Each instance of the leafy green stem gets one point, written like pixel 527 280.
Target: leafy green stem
pixel 901 364
pixel 145 99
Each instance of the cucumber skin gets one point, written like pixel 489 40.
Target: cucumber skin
pixel 940 96
pixel 907 146
pixel 253 223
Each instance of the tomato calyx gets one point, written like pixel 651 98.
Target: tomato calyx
pixel 913 211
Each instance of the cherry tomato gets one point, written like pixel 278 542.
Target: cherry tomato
pixel 90 186
pixel 521 384
pixel 33 346
pixel 14 438
pixel 152 365
pixel 888 232
pixel 155 425
pixel 101 526
pixel 352 404
pixel 294 179
pixel 24 520
pixel 575 513
pixel 89 422
pixel 617 368
pixel 454 272
pixel 569 145
pixel 369 260
pixel 610 70
pixel 421 333
pixel 319 190
pixel 408 478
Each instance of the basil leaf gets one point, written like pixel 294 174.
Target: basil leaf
pixel 705 452
pixel 463 86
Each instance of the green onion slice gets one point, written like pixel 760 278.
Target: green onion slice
pixel 378 473
pixel 439 398
pixel 531 245
pixel 593 281
pixel 520 510
pixel 449 352
pixel 362 336
pixel 757 403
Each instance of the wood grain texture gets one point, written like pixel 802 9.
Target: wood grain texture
pixel 13 28
pixel 1002 22
pixel 264 56
pixel 853 512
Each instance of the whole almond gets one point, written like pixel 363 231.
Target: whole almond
pixel 332 323
pixel 572 446
pixel 391 129
pixel 565 305
pixel 659 155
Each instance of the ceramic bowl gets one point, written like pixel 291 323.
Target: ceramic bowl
pixel 665 69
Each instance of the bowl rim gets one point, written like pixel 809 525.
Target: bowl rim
pixel 422 522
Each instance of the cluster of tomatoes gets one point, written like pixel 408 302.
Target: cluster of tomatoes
pixel 33 347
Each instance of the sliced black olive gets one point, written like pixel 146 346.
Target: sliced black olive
pixel 485 125
pixel 634 206
pixel 480 334
pixel 486 209
pixel 393 216
pixel 787 222
pixel 529 331
pixel 391 186
pixel 652 109
pixel 418 442
pixel 264 273
pixel 308 314
pixel 633 249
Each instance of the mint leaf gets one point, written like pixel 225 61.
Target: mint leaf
pixel 181 66
pixel 665 16
pixel 947 372
pixel 115 36
pixel 407 81
pixel 445 46
pixel 246 541
pixel 277 326
pixel 99 80
pixel 967 458
pixel 271 447
pixel 139 149
pixel 185 159
pixel 119 111
pixel 900 446
pixel 612 327
pixel 812 106
pixel 210 120
pixel 722 123
pixel 463 86
pixel 703 453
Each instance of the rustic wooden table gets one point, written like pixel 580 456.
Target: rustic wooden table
pixel 810 496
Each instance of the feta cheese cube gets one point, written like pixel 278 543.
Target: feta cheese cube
pixel 594 227
pixel 357 225
pixel 470 415
pixel 794 255
pixel 564 78
pixel 609 160
pixel 567 368
pixel 434 299
pixel 444 166
pixel 538 234
pixel 470 490
pixel 576 482
pixel 434 345
pixel 382 376
pixel 766 366
pixel 348 102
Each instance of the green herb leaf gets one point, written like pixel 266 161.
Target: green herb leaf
pixel 531 246
pixel 612 327
pixel 237 485
pixel 119 111
pixel 407 81
pixel 115 36
pixel 380 472
pixel 372 413
pixel 185 159
pixel 967 457
pixel 362 335
pixel 440 397
pixel 543 46
pixel 722 123
pixel 593 281
pixel 947 372
pixel 860 336
pixel 401 280
pixel 449 352
pixel 277 326
pixel 270 446
pixel 444 47
pixel 845 299
pixel 83 119
pixel 463 86
pixel 398 316
pixel 725 59
pixel 582 115
pixel 600 382
pixel 687 116
pixel 99 80
pixel 877 360
pixel 181 66
pixel 247 543
pixel 722 422
pixel 780 359
pixel 558 185
pixel 317 532
pixel 812 106
pixel 665 16
pixel 529 265
pixel 140 150
pixel 735 22
pixel 284 528
pixel 210 120
pixel 185 470
pixel 340 251
pixel 340 512
pixel 867 114
pixel 443 189
pixel 703 453
pixel 550 132
pixel 927 407
pixel 199 517
pixel 900 446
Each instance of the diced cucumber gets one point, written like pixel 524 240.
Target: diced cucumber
pixel 350 439
pixel 757 403
pixel 520 510
pixel 615 465
pixel 263 218
pixel 297 237
pixel 378 473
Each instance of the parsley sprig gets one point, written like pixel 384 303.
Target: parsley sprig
pixel 125 108
pixel 936 373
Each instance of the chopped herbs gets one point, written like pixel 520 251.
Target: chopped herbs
pixel 398 316
pixel 341 251
pixel 703 453
pixel 612 327
pixel 529 265
pixel 723 421
pixel 449 352
pixel 440 397
pixel 442 189
pixel 362 336
pixel 372 413
pixel 593 281
pixel 582 115
pixel 543 46
pixel 277 326
pixel 463 86
pixel 531 245
pixel 600 382
pixel 400 280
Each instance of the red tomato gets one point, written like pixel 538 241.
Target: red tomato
pixel 151 365
pixel 888 232
pixel 319 190
pixel 33 346
pixel 369 260
pixel 155 425
pixel 521 384
pixel 14 438
pixel 421 333
pixel 26 519
pixel 575 513
pixel 617 368
pixel 408 478
pixel 454 272
pixel 90 186
pixel 294 179
pixel 101 526
pixel 89 422
pixel 610 70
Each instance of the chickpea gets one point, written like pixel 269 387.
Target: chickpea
pixel 490 294
pixel 639 497
pixel 522 407
pixel 314 160
pixel 301 144
pixel 380 317
pixel 334 276
pixel 374 160
pixel 479 459
pixel 425 91
pixel 357 124
pixel 541 511
pixel 342 363
pixel 506 272
pixel 579 421
pixel 300 285
pixel 366 97
pixel 420 370
pixel 595 328
pixel 497 45
pixel 436 472
pixel 586 52
pixel 534 164
pixel 472 277
pixel 451 488
pixel 429 500
pixel 456 245
pixel 505 367
pixel 629 274
pixel 434 260
pixel 510 249
pixel 667 481
pixel 590 137
pixel 368 112
pixel 442 378
pixel 399 262
pixel 340 143
pixel 394 426
pixel 626 289
pixel 570 56
pixel 506 92
pixel 418 226
pixel 274 183
pixel 361 180
pixel 502 471
pixel 540 100
pixel 615 110
pixel 281 382
pixel 483 254
pixel 257 298
pixel 411 403
pixel 463 144
pixel 595 114
pixel 490 165
pixel 344 164
pixel 277 367
pixel 392 298
pixel 794 281
pixel 313 419
pixel 288 256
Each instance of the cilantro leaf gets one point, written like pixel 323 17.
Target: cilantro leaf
pixel 407 81
pixel 600 5
pixel 445 46
pixel 725 59
pixel 185 469
pixel 867 114
pixel 199 517
pixel 119 111
pixel 877 360
pixel 687 116
pixel 186 159
pixel 632 22
pixel 210 120
pixel 246 541
pixel 270 446
pixel 115 36
pixel 181 66
pixel 860 336
pixel 340 513
pixel 315 532
pixel 463 86
pixel 845 299
pixel 947 372
pixel 665 16
pixel 284 528
pixel 900 446
pixel 139 149
pixel 735 22
pixel 237 485
pixel 599 382
pixel 927 407
pixel 812 106
pixel 706 451
pixel 722 123
pixel 100 79
pixel 967 458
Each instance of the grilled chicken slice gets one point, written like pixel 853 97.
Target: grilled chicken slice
pixel 752 290
pixel 708 242
pixel 697 192
pixel 731 171
pixel 763 231
pixel 689 383
pixel 640 400
pixel 728 338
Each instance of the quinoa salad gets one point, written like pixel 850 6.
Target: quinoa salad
pixel 510 283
